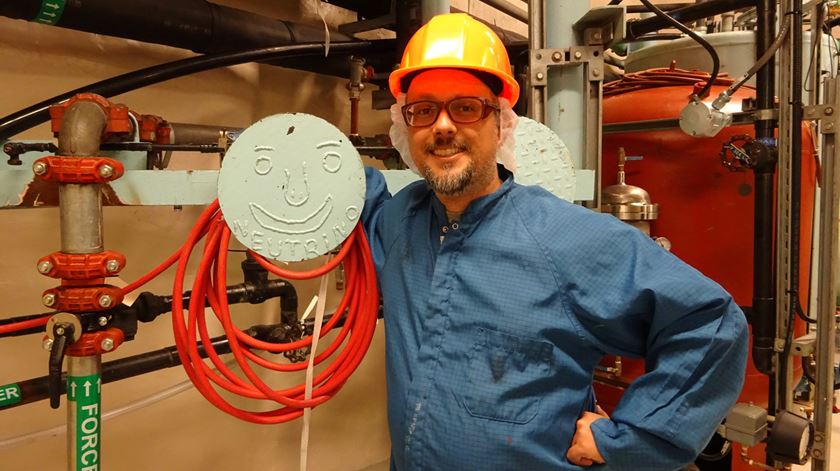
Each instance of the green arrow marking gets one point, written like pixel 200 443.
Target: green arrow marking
pixel 50 12
pixel 84 396
pixel 9 394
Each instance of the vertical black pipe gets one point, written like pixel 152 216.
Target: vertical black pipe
pixel 764 286
pixel 764 302
pixel 408 19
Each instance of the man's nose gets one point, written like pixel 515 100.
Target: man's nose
pixel 444 126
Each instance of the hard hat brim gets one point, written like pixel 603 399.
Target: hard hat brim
pixel 510 88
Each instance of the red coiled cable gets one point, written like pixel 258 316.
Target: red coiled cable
pixel 359 307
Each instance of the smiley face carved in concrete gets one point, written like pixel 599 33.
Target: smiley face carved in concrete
pixel 291 187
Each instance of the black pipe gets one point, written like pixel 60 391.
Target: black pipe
pixel 190 24
pixel 408 21
pixel 38 113
pixel 37 389
pixel 685 15
pixel 149 306
pixel 663 7
pixel 764 301
pixel 698 39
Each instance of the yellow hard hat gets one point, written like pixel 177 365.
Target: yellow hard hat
pixel 456 41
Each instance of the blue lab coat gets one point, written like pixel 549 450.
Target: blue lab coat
pixel 493 333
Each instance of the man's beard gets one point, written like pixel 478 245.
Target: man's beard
pixel 449 183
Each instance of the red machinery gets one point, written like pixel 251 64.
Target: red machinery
pixel 705 210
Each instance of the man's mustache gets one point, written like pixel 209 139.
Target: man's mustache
pixel 441 143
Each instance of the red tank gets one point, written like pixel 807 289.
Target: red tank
pixel 705 210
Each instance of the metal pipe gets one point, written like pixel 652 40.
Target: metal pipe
pixel 81 204
pixel 354 89
pixel 686 14
pixel 573 104
pixel 430 8
pixel 197 25
pixel 80 215
pixel 38 113
pixel 83 412
pixel 536 40
pixel 509 9
pixel 408 21
pixel 827 296
pixel 80 209
pixel 727 22
pixel 198 134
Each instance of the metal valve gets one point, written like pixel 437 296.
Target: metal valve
pixel 63 330
pixel 62 336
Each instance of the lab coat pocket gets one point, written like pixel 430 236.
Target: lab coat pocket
pixel 506 376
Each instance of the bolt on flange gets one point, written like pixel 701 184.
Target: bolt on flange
pixel 39 168
pixel 112 266
pixel 48 299
pixel 45 267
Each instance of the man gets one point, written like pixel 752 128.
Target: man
pixel 501 299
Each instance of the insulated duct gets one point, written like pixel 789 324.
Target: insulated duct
pixel 189 24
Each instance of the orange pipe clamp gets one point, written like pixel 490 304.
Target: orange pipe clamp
pixel 96 343
pixel 118 120
pixel 82 298
pixel 78 169
pixel 81 266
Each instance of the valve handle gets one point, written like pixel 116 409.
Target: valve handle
pixel 62 338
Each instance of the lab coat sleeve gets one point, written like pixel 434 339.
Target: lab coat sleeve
pixel 631 297
pixel 376 195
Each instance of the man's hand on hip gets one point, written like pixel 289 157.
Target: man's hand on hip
pixel 583 451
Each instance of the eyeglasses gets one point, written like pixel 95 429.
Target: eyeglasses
pixel 462 110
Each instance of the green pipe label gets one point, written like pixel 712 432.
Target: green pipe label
pixel 50 12
pixel 85 392
pixel 9 394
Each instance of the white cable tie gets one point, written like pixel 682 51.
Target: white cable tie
pixel 326 29
pixel 309 308
pixel 310 368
